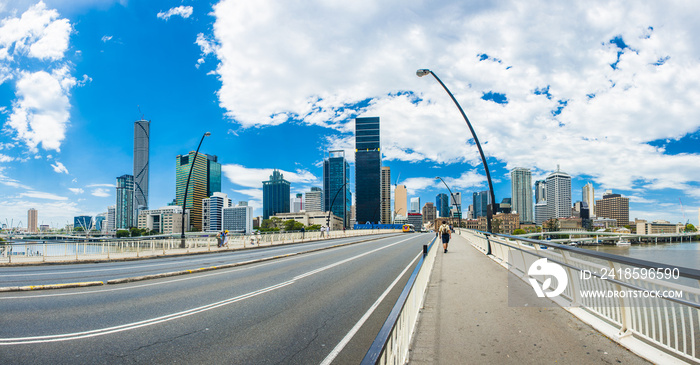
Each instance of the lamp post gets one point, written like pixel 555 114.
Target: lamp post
pixel 491 207
pixel 187 187
pixel 330 209
pixel 459 210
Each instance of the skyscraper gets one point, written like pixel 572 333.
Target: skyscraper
pixel 521 190
pixel 141 150
pixel 588 196
pixel 313 200
pixel 32 218
pixel 400 201
pixel 368 162
pixel 298 203
pixel 124 218
pixel 275 195
pixel 614 206
pixel 212 211
pixel 336 192
pixel 205 181
pixel 558 195
pixel 442 205
pixel 415 205
pixel 429 213
pixel 481 200
pixel 540 191
pixel 386 194
pixel 111 218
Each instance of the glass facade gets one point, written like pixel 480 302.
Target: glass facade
pixel 204 182
pixel 368 164
pixel 141 149
pixel 275 195
pixel 442 204
pixel 481 202
pixel 124 218
pixel 336 179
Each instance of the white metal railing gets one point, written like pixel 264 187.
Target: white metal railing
pixel 37 252
pixel 394 338
pixel 654 325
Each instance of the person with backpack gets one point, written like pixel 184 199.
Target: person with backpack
pixel 445 233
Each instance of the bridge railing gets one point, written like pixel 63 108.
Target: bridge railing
pixel 37 252
pixel 394 338
pixel 651 308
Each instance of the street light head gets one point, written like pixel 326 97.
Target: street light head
pixel 207 134
pixel 437 177
pixel 422 72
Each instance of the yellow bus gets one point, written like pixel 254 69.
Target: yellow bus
pixel 408 228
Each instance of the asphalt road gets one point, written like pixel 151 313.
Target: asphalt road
pixel 293 310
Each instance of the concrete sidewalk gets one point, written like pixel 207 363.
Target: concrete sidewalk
pixel 467 320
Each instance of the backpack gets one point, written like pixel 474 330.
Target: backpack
pixel 444 229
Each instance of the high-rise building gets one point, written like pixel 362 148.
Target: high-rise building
pixel 400 201
pixel 32 220
pixel 614 206
pixel 124 218
pixel 204 182
pixel 336 189
pixel 275 195
pixel 111 218
pixel 588 196
pixel 84 222
pixel 166 220
pixel 386 194
pixel 141 151
pixel 415 205
pixel 212 211
pixel 313 200
pixel 442 205
pixel 540 191
pixel 238 219
pixel 521 189
pixel 540 212
pixel 368 162
pixel 558 195
pixel 298 203
pixel 481 200
pixel 456 200
pixel 429 212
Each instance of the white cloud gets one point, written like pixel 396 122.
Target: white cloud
pixel 11 182
pixel 6 158
pixel 41 195
pixel 76 190
pixel 101 192
pixel 36 33
pixel 183 11
pixel 318 61
pixel 106 38
pixel 100 186
pixel 59 168
pixel 253 178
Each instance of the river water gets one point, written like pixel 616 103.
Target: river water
pixel 686 254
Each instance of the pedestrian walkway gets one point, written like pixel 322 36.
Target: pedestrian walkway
pixel 467 320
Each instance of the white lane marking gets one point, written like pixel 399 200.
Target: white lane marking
pixel 341 345
pixel 170 317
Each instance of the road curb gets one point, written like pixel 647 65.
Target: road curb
pixel 51 286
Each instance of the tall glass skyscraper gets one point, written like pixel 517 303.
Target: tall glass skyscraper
pixel 481 202
pixel 521 190
pixel 368 164
pixel 336 172
pixel 442 204
pixel 125 202
pixel 275 195
pixel 141 147
pixel 205 181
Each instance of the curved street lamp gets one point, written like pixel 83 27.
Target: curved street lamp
pixel 491 207
pixel 459 210
pixel 187 187
pixel 330 209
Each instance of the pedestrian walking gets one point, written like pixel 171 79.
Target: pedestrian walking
pixel 225 243
pixel 446 233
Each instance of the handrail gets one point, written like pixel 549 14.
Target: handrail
pixel 380 342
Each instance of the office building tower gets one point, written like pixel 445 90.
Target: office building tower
pixel 614 206
pixel 442 205
pixel 470 212
pixel 204 182
pixel 111 218
pixel 386 194
pixel 540 212
pixel 558 195
pixel 415 205
pixel 298 203
pixel 32 220
pixel 540 191
pixel 313 200
pixel 100 222
pixel 82 223
pixel 275 195
pixel 125 202
pixel 429 213
pixel 521 189
pixel 212 211
pixel 481 200
pixel 506 206
pixel 336 186
pixel 238 219
pixel 456 200
pixel 166 220
pixel 588 196
pixel 416 219
pixel 141 152
pixel 368 162
pixel 400 201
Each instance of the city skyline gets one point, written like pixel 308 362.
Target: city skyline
pixel 583 97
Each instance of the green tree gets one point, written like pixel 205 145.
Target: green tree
pixel 78 229
pixel 135 232
pixel 519 231
pixel 689 227
pixel 292 225
pixel 314 227
pixel 122 233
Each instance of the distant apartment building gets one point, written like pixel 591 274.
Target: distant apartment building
pixel 521 189
pixel 125 202
pixel 429 212
pixel 400 200
pixel 558 195
pixel 32 220
pixel 614 206
pixel 386 195
pixel 506 222
pixel 541 212
pixel 166 220
pixel 238 219
pixel 212 211
pixel 588 197
pixel 111 218
pixel 313 200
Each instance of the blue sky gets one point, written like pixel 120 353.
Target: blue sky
pixel 609 92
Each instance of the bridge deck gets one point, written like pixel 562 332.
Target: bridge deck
pixel 467 320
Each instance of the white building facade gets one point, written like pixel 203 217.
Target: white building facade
pixel 212 212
